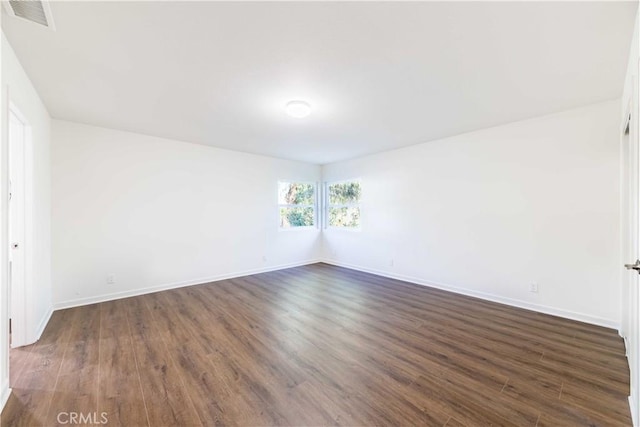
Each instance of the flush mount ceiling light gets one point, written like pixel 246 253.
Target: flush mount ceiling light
pixel 298 109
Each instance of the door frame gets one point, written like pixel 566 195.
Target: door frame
pixel 21 327
pixel 630 239
pixel 627 238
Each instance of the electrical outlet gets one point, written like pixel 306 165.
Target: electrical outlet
pixel 392 262
pixel 533 287
pixel 111 279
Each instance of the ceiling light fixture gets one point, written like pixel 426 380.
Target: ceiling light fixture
pixel 298 109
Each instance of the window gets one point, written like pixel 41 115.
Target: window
pixel 343 204
pixel 297 204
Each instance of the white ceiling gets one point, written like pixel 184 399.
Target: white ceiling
pixel 378 75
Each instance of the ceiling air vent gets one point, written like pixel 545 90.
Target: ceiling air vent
pixel 37 11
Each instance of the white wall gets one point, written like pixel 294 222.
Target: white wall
pixel 161 213
pixel 488 212
pixel 17 88
pixel 632 65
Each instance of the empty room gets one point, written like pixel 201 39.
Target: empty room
pixel 320 213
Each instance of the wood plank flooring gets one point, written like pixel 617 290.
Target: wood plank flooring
pixel 317 345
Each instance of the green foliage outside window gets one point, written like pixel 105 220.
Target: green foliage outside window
pixel 299 204
pixel 344 209
pixel 342 193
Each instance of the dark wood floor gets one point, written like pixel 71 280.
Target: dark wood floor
pixel 318 345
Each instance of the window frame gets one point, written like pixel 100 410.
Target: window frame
pixel 327 205
pixel 314 206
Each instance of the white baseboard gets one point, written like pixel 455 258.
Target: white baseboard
pixel 418 281
pixel 5 392
pixel 174 285
pixel 586 318
pixel 634 412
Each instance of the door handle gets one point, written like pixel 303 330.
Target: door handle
pixel 635 266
